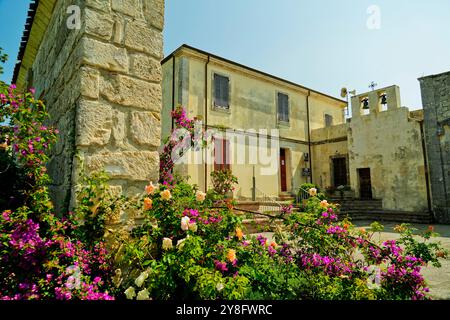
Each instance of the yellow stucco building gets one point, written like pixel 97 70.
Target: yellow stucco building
pixel 239 100
pixel 379 152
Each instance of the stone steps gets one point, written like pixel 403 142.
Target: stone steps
pixel 388 216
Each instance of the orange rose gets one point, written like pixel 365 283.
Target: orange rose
pixel 150 189
pixel 148 203
pixel 231 255
pixel 324 204
pixel 239 233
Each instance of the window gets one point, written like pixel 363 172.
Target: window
pixel 221 155
pixel 328 120
pixel 221 91
pixel 283 107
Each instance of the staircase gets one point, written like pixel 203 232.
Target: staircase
pixel 357 209
pixel 285 197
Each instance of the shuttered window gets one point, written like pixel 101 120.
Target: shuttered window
pixel 221 91
pixel 283 107
pixel 328 120
pixel 221 155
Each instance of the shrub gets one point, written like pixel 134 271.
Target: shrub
pixel 41 255
pixel 223 181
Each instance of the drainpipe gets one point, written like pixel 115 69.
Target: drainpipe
pixel 173 90
pixel 425 162
pixel 309 137
pixel 206 118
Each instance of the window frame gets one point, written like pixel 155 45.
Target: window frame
pixel 277 99
pixel 215 106
pixel 329 116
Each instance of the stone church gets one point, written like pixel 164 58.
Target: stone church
pixel 110 95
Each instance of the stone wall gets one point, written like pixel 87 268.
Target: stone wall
pixel 436 104
pixel 102 86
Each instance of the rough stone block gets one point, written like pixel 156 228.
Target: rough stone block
pixel 140 37
pixel 154 13
pixel 146 67
pixel 131 92
pixel 145 129
pixel 93 123
pixel 119 128
pixel 102 5
pixel 128 7
pixel 105 56
pixel 129 165
pixel 98 24
pixel 89 82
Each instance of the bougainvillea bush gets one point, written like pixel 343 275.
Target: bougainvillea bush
pixel 42 256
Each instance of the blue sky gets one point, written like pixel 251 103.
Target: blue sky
pixel 322 44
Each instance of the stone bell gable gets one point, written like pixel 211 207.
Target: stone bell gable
pixel 96 64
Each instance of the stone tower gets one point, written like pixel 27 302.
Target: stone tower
pixel 436 105
pixel 96 64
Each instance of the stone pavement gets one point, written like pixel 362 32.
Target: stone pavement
pixel 438 279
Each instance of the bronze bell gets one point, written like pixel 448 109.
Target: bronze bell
pixel 383 99
pixel 365 103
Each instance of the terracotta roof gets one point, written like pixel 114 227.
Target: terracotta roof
pixel 26 35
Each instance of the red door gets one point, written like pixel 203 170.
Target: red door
pixel 283 170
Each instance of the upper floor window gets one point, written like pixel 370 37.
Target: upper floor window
pixel 283 107
pixel 328 120
pixel 221 91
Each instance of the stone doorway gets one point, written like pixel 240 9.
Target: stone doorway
pixel 365 184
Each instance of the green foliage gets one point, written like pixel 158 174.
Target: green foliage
pixel 3 59
pixel 223 181
pixel 429 252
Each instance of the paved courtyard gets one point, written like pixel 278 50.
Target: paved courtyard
pixel 438 279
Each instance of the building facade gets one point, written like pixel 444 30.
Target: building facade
pixel 378 153
pixel 246 106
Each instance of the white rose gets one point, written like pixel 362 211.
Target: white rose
pixel 193 227
pixel 312 192
pixel 141 279
pixel 167 244
pixel 200 196
pixel 219 286
pixel 180 244
pixel 130 293
pixel 143 295
pixel 185 223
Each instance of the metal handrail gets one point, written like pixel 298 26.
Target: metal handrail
pixel 268 203
pixel 301 195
